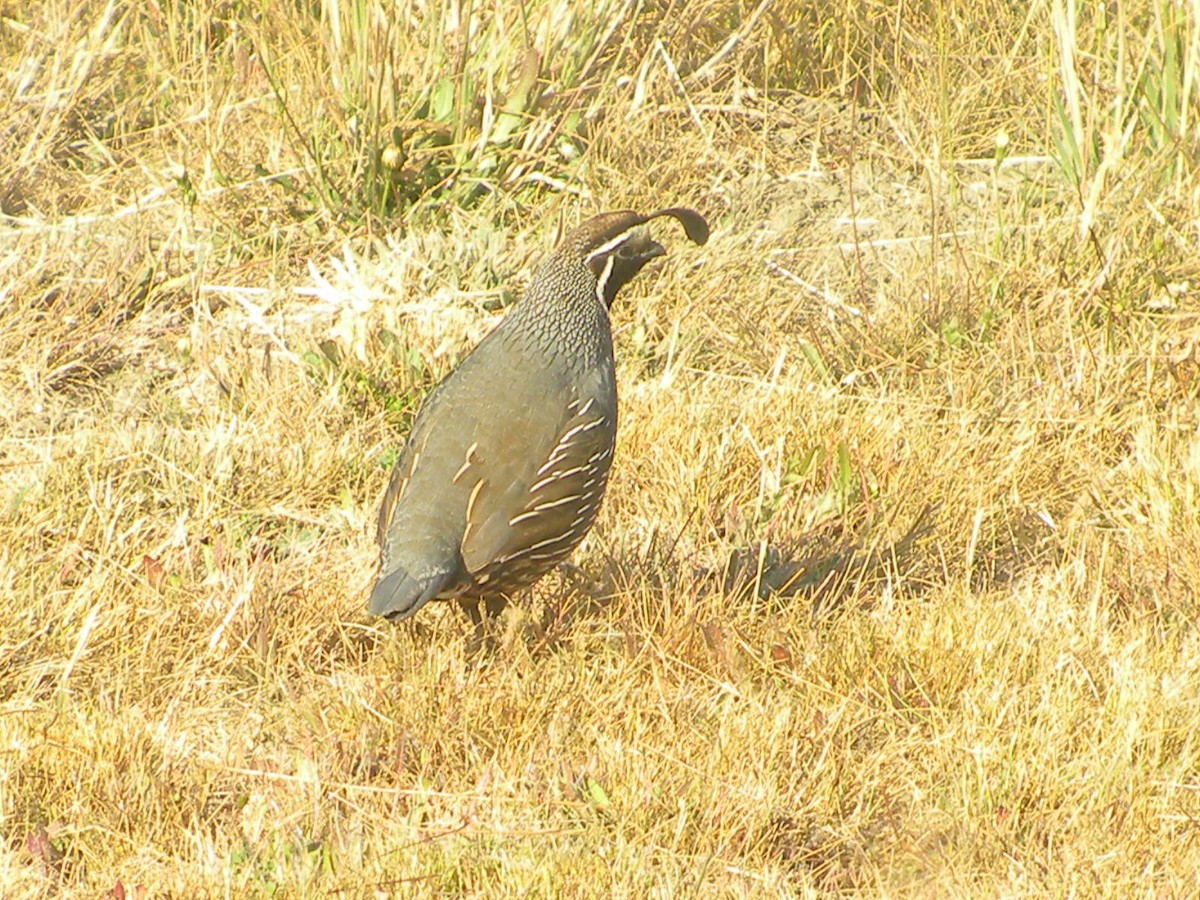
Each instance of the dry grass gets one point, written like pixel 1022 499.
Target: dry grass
pixel 895 592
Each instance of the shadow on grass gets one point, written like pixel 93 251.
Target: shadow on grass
pixel 827 571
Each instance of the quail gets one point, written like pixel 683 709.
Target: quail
pixel 507 461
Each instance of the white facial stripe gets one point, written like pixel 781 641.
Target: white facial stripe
pixel 602 280
pixel 611 244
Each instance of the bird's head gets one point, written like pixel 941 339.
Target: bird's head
pixel 615 246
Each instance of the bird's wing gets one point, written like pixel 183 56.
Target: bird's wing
pixel 535 505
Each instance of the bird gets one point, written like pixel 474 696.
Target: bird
pixel 506 463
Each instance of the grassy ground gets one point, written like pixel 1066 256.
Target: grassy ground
pixel 895 590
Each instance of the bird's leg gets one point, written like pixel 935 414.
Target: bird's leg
pixel 494 606
pixel 479 635
pixel 471 607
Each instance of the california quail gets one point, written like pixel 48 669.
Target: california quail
pixel 507 461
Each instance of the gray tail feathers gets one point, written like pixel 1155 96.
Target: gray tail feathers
pixel 398 595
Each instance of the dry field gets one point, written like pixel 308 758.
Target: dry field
pixel 895 593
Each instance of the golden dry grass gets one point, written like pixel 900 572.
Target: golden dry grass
pixel 895 591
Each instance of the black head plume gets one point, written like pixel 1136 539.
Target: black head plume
pixel 694 224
